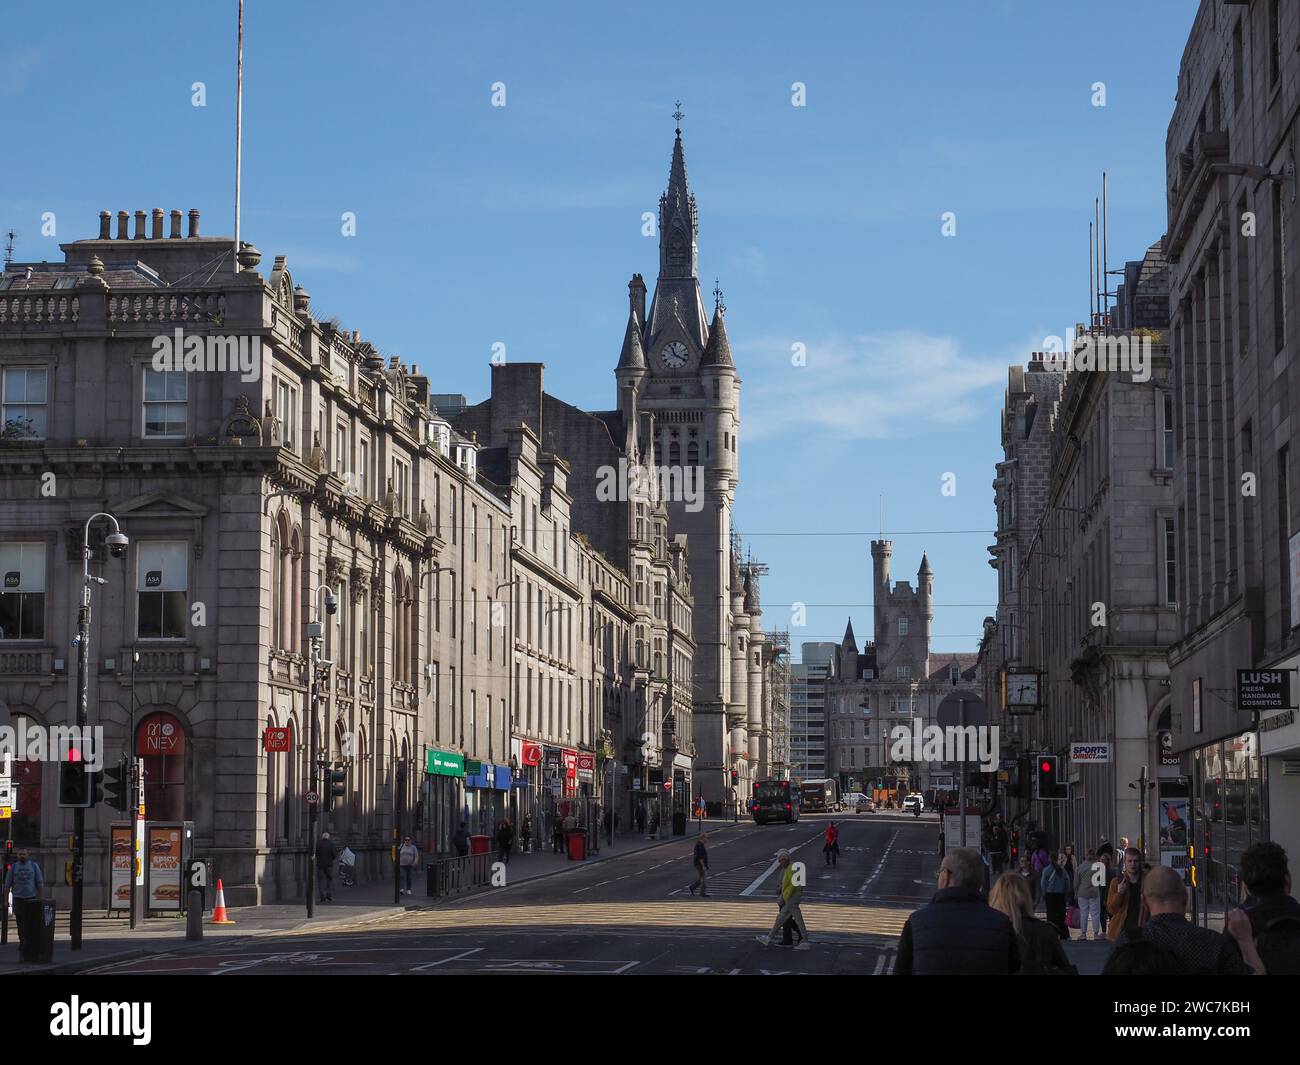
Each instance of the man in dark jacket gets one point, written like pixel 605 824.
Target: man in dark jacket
pixel 460 840
pixel 701 866
pixel 1274 914
pixel 325 855
pixel 957 932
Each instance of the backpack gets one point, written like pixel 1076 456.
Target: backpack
pixel 1135 955
pixel 1278 943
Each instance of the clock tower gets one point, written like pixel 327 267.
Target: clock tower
pixel 676 363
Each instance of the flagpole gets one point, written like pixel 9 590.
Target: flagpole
pixel 239 124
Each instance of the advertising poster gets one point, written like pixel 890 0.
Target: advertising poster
pixel 119 883
pixel 164 861
pixel 1175 831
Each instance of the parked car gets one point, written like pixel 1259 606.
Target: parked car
pixel 865 805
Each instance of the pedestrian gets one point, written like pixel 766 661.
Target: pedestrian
pixel 1274 914
pixel 1124 899
pixel 1067 863
pixel 831 847
pixel 640 819
pixel 1026 873
pixel 25 882
pixel 1056 887
pixel 957 932
pixel 325 855
pixel 1105 855
pixel 526 833
pixel 1168 943
pixel 1041 953
pixel 997 846
pixel 1088 883
pixel 654 823
pixel 701 862
pixel 408 857
pixel 461 840
pixel 505 840
pixel 791 893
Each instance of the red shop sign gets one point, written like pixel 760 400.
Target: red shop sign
pixel 571 764
pixel 159 734
pixel 586 763
pixel 532 753
pixel 278 740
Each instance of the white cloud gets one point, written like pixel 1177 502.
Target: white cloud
pixel 877 386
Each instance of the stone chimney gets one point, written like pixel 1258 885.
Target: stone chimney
pixel 194 222
pixel 139 226
pixel 105 226
pixel 176 226
pixel 123 225
pixel 157 224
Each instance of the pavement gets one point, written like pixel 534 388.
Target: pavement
pixel 110 939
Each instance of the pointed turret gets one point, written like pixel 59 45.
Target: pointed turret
pixel 632 356
pixel 925 564
pixel 677 313
pixel 718 351
pixel 850 641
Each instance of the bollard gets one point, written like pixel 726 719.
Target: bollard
pixel 194 916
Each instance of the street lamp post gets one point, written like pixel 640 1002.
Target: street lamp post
pixel 117 544
pixel 314 632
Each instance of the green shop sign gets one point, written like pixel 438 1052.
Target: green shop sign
pixel 444 763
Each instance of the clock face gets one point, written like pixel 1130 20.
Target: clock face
pixel 674 355
pixel 1022 689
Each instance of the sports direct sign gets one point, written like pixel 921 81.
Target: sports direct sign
pixel 1089 753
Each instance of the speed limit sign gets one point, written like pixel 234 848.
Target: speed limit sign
pixel 312 798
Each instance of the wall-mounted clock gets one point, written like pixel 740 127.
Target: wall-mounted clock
pixel 674 355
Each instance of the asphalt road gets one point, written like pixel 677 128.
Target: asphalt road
pixel 633 914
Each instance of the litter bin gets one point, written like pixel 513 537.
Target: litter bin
pixel 479 844
pixel 36 918
pixel 679 822
pixel 577 846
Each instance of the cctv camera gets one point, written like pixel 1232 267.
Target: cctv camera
pixel 331 603
pixel 117 544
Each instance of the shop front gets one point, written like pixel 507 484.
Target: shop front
pixel 441 796
pixel 1279 747
pixel 487 791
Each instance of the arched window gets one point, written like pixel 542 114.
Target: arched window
pixel 674 453
pixel 692 454
pixel 160 743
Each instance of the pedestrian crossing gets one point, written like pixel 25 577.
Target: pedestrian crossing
pixel 679 915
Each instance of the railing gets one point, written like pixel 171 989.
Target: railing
pixel 38 310
pixel 33 662
pixel 168 307
pixel 158 660
pixel 457 876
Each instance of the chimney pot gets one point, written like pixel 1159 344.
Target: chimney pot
pixel 105 225
pixel 157 223
pixel 194 221
pixel 139 226
pixel 123 223
pixel 176 225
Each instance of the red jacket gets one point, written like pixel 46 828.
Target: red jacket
pixel 832 834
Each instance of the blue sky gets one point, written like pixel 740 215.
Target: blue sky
pixel 522 224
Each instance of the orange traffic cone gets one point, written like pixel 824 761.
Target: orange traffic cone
pixel 219 910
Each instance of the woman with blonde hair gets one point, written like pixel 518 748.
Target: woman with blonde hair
pixel 1040 946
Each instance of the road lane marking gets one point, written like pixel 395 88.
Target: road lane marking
pixel 444 961
pixel 880 965
pixel 880 865
pixel 774 866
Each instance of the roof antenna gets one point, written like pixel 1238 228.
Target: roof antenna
pixel 9 246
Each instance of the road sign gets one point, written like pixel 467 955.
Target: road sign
pixel 312 798
pixel 6 812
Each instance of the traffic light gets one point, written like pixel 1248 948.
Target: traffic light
pixel 735 777
pixel 117 785
pixel 338 781
pixel 1050 784
pixel 75 781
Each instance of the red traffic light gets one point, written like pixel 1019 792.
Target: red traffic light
pixel 74 754
pixel 1046 767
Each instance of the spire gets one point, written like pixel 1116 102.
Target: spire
pixel 632 357
pixel 751 594
pixel 925 564
pixel 718 350
pixel 849 639
pixel 678 221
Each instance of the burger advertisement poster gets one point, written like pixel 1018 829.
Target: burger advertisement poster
pixel 120 883
pixel 164 846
